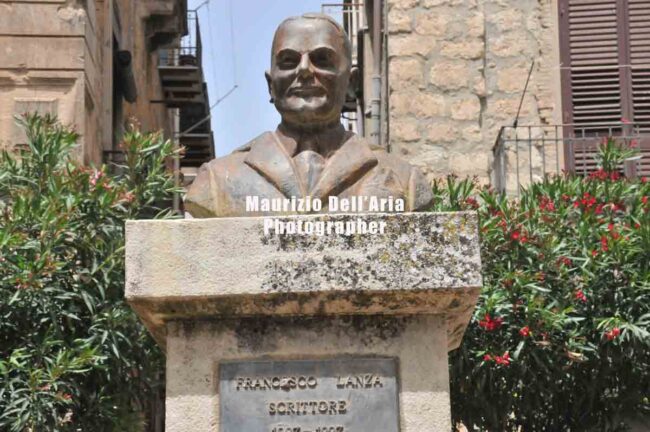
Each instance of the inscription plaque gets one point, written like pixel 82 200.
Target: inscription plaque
pixel 336 395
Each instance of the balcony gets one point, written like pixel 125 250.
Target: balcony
pixel 526 154
pixel 183 87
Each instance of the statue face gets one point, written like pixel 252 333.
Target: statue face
pixel 310 72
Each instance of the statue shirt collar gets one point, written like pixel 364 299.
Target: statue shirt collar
pixel 272 158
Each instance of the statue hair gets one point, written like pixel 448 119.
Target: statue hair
pixel 321 16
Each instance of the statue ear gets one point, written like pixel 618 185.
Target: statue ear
pixel 267 75
pixel 353 85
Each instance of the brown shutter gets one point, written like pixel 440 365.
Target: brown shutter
pixel 591 78
pixel 605 55
pixel 639 47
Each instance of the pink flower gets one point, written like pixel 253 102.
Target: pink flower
pixel 487 357
pixel 95 177
pixel 524 331
pixel 127 196
pixel 580 295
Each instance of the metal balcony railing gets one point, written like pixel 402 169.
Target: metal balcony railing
pixel 526 154
pixel 190 50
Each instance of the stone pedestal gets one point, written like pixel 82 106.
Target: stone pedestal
pixel 218 292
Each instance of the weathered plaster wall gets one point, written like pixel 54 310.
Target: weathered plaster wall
pixel 45 58
pixel 456 72
pixel 61 52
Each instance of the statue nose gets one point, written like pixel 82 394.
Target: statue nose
pixel 304 68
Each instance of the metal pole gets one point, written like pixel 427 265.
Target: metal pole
pixel 375 97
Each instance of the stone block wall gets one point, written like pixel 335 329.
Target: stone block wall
pixel 457 69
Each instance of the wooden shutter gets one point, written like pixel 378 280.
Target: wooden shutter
pixel 639 49
pixel 605 54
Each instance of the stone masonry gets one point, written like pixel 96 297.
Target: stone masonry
pixel 457 69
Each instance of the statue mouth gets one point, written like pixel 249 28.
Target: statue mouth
pixel 307 91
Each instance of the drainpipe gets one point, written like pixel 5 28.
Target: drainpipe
pixel 375 96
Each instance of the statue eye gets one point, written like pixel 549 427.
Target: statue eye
pixel 322 58
pixel 288 60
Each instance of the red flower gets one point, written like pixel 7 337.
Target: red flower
pixel 644 179
pixel 564 260
pixel 472 202
pixel 615 175
pixel 565 197
pixel 594 253
pixel 613 333
pixel 644 200
pixel 599 174
pixel 599 209
pixel 489 324
pixel 580 295
pixel 546 204
pixel 634 143
pixel 637 225
pixel 603 244
pixel 515 235
pixel 487 357
pixel 524 331
pixel 503 360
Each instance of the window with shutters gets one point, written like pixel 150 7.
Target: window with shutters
pixel 23 106
pixel 605 55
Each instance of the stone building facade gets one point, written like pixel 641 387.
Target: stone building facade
pixel 93 63
pixel 457 70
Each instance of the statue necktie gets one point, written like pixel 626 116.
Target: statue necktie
pixel 309 165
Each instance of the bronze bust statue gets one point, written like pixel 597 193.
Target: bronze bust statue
pixel 310 154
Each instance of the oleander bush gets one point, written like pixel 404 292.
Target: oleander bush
pixel 73 356
pixel 560 338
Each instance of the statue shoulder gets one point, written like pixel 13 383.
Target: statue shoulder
pixel 417 185
pixel 260 138
pixel 216 181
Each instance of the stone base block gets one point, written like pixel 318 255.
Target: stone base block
pixel 196 349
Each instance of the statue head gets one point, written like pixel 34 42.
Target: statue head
pixel 311 71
